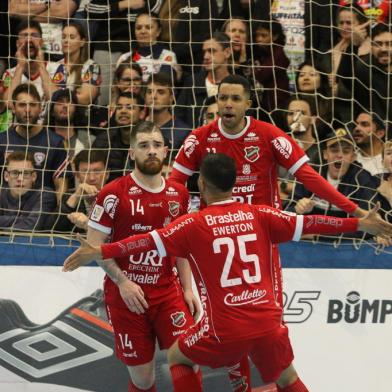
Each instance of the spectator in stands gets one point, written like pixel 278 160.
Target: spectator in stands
pixel 346 175
pixel 127 79
pixel 384 190
pixel 271 64
pixel 51 15
pixel 50 157
pixel 128 112
pixel 23 206
pixel 76 71
pixel 91 174
pixel 211 111
pixel 368 134
pixel 151 55
pixel 377 10
pixel 237 29
pixel 64 113
pixel 196 89
pixel 31 66
pixel 369 76
pixel 5 113
pixel 159 103
pixel 311 81
pixel 308 27
pixel 114 36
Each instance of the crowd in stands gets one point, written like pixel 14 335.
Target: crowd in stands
pixel 77 75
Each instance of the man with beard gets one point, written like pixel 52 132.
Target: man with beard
pixel 63 117
pixel 128 112
pixel 368 134
pixel 370 76
pixel 145 285
pixel 31 66
pixel 50 157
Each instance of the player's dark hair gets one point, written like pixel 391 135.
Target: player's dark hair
pixel 237 79
pixel 27 88
pixel 219 170
pixel 90 156
pixel 143 127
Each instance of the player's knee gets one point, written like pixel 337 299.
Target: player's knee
pixel 142 377
pixel 287 377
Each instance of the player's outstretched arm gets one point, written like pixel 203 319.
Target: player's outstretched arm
pixel 372 223
pixel 82 256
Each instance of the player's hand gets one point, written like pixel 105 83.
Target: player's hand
pixel 304 206
pixel 82 256
pixel 78 219
pixel 193 304
pixel 372 223
pixel 384 241
pixel 133 296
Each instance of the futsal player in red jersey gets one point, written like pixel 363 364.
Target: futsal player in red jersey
pixel 258 148
pixel 228 245
pixel 144 283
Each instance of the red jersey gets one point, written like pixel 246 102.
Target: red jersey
pixel 257 150
pixel 229 248
pixel 126 207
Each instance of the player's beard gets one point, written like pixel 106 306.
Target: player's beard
pixel 26 121
pixel 150 166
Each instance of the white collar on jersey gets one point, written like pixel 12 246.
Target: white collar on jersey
pixel 217 203
pixel 237 135
pixel 146 188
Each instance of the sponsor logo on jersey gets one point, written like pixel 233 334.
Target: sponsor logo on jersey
pixel 214 137
pixel 178 319
pixel 244 188
pixel 283 146
pixel 140 227
pixel 246 169
pixel 251 137
pixel 190 144
pixel 173 229
pixel 246 297
pixel 134 190
pixel 96 215
pixel 230 217
pixel 171 191
pixel 110 204
pixel 155 205
pixel 252 153
pixel 189 10
pixel 39 158
pixel 281 214
pixel 174 208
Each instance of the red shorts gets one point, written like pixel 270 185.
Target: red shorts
pixel 135 334
pixel 271 353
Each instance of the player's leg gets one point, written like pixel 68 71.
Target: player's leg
pixel 172 318
pixel 182 371
pixel 142 377
pixel 239 376
pixel 289 381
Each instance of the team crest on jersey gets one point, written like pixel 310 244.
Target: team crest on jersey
pixel 252 153
pixel 110 204
pixel 39 158
pixel 174 208
pixel 246 168
pixel 190 144
pixel 134 190
pixel 171 191
pixel 58 77
pixel 251 136
pixel 97 213
pixel 214 137
pixel 283 146
pixel 178 319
